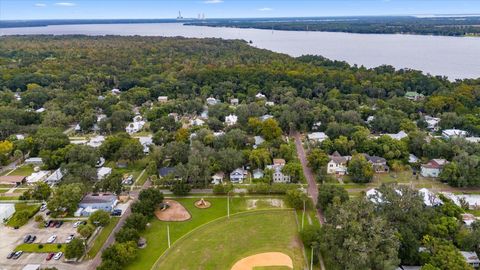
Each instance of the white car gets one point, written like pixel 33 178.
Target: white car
pixel 69 238
pixel 58 256
pixel 43 208
pixel 76 224
pixel 52 239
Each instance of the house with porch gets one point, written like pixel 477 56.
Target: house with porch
pixel 433 168
pixel 238 175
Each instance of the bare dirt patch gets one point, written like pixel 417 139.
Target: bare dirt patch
pixel 175 212
pixel 264 259
pixel 264 203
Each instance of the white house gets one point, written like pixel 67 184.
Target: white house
pixel 260 96
pixel 238 175
pixel 116 91
pixel 218 178
pixel 278 176
pixel 34 161
pixel 212 101
pixel 37 177
pixel 231 120
pixel 317 136
pixel 471 258
pixel 337 164
pixel 473 139
pixel 269 103
pixel 370 119
pixel 136 125
pixel 41 110
pixel 453 133
pixel 145 141
pixel 55 177
pixel 433 168
pixel 429 198
pixel 96 141
pixel 265 117
pixel 103 172
pixel 413 159
pixel 374 195
pixel 197 122
pixel 234 101
pixel 20 136
pixel 258 141
pixel 468 219
pixel 162 99
pixel 398 136
pixel 6 211
pixel 432 122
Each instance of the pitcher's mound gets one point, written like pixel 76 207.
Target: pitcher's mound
pixel 175 212
pixel 264 259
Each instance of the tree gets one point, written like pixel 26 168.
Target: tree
pixel 444 255
pixel 41 191
pixel 328 194
pixel 153 195
pixel 295 198
pixel 270 129
pixel 259 158
pixel 99 218
pixel 317 160
pixel 66 198
pixel 180 188
pixel 356 238
pixel 136 221
pixel 112 183
pixel 360 170
pixel 75 249
pixel 122 253
pixel 127 234
pixel 86 230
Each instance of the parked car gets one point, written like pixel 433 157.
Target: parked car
pixel 47 213
pixel 47 223
pixel 53 223
pixel 17 255
pixel 76 224
pixel 69 238
pixel 43 207
pixel 52 239
pixel 58 256
pixel 26 238
pixel 10 255
pixel 59 224
pixel 32 239
pixel 50 256
pixel 116 212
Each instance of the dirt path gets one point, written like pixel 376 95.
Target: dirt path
pixel 264 259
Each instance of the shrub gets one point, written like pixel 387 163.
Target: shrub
pixel 222 189
pixel 99 218
pixel 181 189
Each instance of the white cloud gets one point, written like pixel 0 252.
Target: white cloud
pixel 265 9
pixel 40 5
pixel 213 1
pixel 65 4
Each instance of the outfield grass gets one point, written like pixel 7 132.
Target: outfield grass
pixel 35 248
pixel 223 242
pixel 156 233
pixel 102 237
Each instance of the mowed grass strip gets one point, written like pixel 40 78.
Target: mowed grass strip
pixel 41 248
pixel 156 233
pixel 220 244
pixel 102 237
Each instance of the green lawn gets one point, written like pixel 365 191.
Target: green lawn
pixel 24 170
pixel 223 242
pixel 35 248
pixel 156 233
pixel 8 198
pixel 16 220
pixel 102 237
pixel 142 179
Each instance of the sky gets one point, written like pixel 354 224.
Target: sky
pixel 160 9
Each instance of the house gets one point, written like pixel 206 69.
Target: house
pixel 414 96
pixel 238 175
pixel 257 174
pixel 136 125
pixel 234 101
pixel 278 176
pixel 370 119
pixel 429 198
pixel 374 196
pixel 197 122
pixel 96 141
pixel 379 164
pixel 453 133
pixel 433 168
pixel 116 91
pixel 432 122
pixel 258 141
pixel 473 139
pixel 6 211
pixel 34 161
pixel 162 172
pixel 260 96
pixel 37 177
pixel 218 178
pixel 17 96
pixel 468 219
pixel 412 159
pixel 398 136
pixel 471 258
pixel 269 103
pixel 316 125
pixel 337 164
pixel 218 133
pixel 146 141
pixel 162 99
pixel 212 101
pixel 55 177
pixel 13 180
pixel 231 120
pixel 265 117
pixel 41 110
pixel 473 200
pixel 19 136
pixel 93 202
pixel 317 136
pixel 103 172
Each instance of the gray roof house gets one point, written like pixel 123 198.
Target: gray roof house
pixel 97 201
pixel 238 175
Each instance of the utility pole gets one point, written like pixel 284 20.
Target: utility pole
pixel 168 235
pixel 311 260
pixel 228 204
pixel 303 214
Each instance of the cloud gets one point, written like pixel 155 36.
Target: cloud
pixel 40 5
pixel 213 1
pixel 65 4
pixel 265 9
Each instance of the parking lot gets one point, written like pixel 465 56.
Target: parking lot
pixel 11 238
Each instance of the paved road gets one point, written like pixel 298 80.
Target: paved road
pixel 111 238
pixel 312 184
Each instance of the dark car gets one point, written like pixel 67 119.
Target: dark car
pixel 50 256
pixel 48 223
pixel 10 255
pixel 53 224
pixel 17 255
pixel 32 239
pixel 27 238
pixel 116 212
pixel 47 213
pixel 59 224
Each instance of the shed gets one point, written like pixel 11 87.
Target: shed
pixel 14 180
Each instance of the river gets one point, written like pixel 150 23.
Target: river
pixel 454 57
